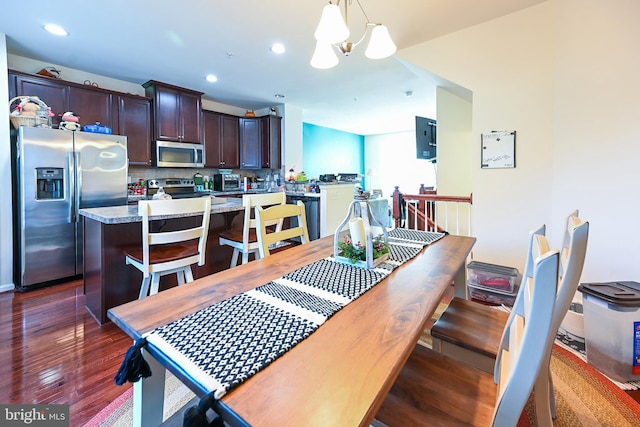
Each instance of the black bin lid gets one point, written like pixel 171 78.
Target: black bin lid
pixel 624 294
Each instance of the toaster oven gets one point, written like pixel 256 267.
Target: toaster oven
pixel 227 182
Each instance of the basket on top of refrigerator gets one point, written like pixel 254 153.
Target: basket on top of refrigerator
pixel 29 111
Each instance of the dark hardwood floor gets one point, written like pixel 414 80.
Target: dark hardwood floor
pixel 53 351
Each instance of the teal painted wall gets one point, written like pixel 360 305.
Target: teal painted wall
pixel 326 150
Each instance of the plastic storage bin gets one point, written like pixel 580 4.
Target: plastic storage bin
pixel 612 328
pixel 495 277
pixel 491 296
pixel 492 284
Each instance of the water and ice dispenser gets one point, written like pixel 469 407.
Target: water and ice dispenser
pixel 49 183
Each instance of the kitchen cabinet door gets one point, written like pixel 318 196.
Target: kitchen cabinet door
pixel 91 105
pixel 134 121
pixel 271 141
pixel 221 140
pixel 176 112
pixel 167 115
pixel 190 117
pixel 250 143
pixel 212 139
pixel 53 93
pixel 230 142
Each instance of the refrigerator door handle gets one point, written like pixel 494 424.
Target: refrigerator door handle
pixel 71 179
pixel 78 187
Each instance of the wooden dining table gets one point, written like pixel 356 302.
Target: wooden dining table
pixel 341 373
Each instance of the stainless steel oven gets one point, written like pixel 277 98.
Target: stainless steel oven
pixel 179 155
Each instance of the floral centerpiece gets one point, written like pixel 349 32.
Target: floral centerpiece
pixel 358 252
pixel 358 246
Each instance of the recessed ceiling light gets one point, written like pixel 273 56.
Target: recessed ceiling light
pixel 277 48
pixel 279 95
pixel 56 29
pixel 211 78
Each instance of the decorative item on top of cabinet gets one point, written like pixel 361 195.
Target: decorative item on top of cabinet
pixel 250 143
pixel 221 140
pixel 271 141
pixel 176 112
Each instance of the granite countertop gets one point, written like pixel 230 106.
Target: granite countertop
pixel 129 213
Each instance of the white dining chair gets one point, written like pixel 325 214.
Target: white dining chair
pixel 172 251
pixel 433 389
pixel 245 241
pixel 461 332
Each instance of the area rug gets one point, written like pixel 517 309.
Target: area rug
pixel 584 397
pixel 119 413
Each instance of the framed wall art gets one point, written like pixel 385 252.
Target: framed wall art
pixel 498 150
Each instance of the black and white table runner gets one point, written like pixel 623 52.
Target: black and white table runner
pixel 222 345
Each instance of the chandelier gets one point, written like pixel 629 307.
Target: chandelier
pixel 332 31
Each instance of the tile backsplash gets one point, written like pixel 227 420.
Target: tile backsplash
pixel 138 173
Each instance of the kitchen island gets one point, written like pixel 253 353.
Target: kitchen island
pixel 109 281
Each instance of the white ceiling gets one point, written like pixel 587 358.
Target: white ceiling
pixel 179 42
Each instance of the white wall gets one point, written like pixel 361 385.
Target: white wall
pixel 455 144
pixel 563 74
pixel 393 156
pixel 6 220
pixel 596 149
pixel 291 137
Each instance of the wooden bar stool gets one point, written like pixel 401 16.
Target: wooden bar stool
pixel 276 213
pixel 169 252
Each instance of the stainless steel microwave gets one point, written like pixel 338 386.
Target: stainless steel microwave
pixel 179 155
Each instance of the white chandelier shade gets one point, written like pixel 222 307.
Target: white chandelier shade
pixel 380 45
pixel 332 31
pixel 331 28
pixel 324 56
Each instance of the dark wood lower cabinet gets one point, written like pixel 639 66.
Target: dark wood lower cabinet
pixel 109 281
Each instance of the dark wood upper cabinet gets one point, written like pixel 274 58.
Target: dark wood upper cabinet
pixel 168 113
pixel 250 143
pixel 176 112
pixel 91 105
pixel 52 92
pixel 230 141
pixel 190 107
pixel 271 141
pixel 221 140
pixel 134 121
pixel 125 114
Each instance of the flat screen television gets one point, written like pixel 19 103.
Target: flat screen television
pixel 426 138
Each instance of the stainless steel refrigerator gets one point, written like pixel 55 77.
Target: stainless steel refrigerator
pixel 57 173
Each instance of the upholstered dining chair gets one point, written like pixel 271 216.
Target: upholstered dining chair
pixel 245 241
pixel 461 332
pixel 168 252
pixel 264 217
pixel 433 389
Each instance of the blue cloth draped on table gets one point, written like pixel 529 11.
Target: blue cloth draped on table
pixel 224 344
